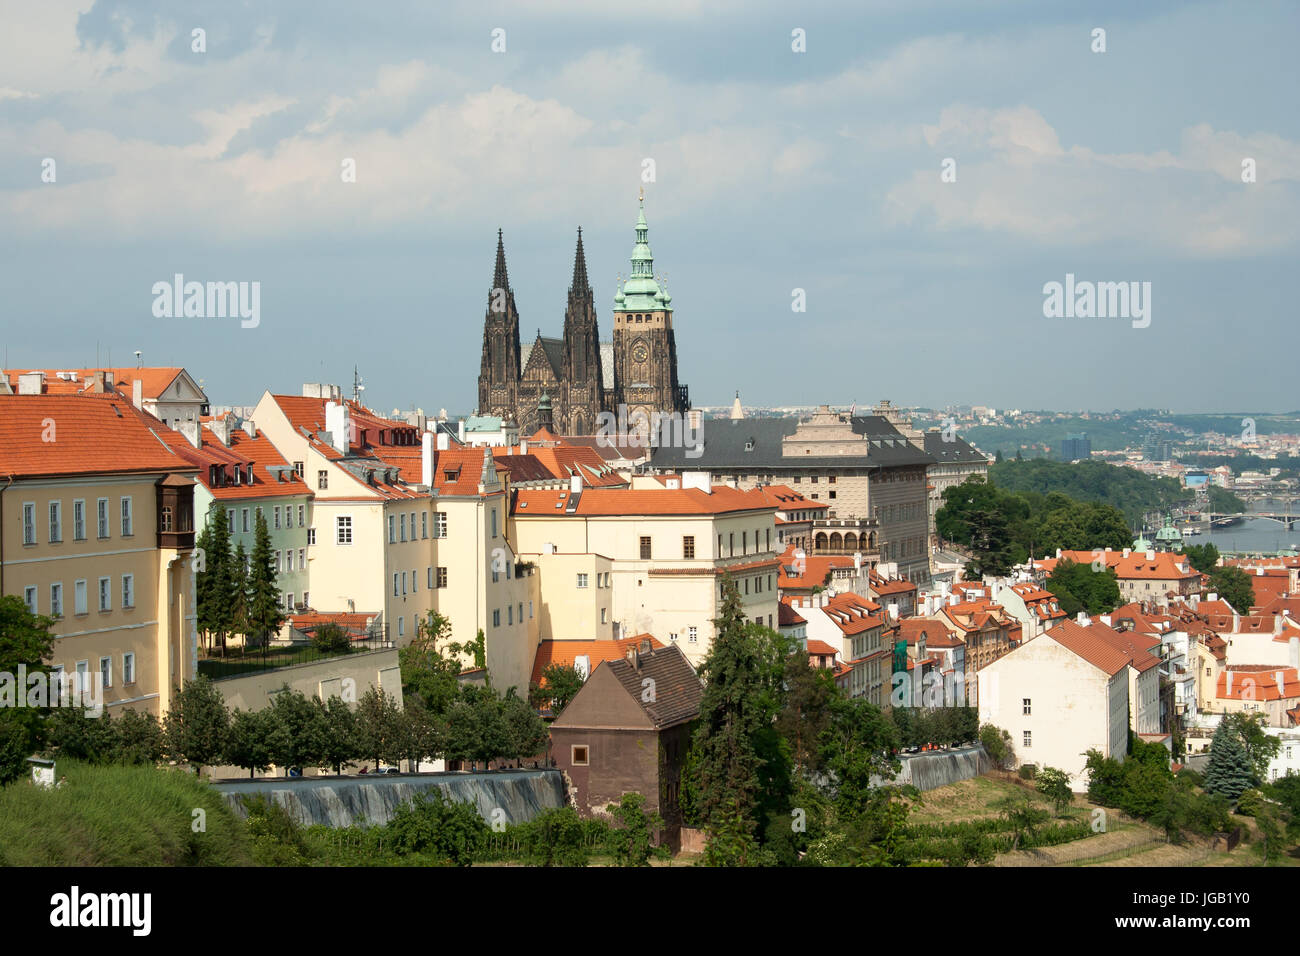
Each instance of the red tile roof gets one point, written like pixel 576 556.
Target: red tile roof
pixel 1089 644
pixel 640 501
pixel 92 434
pixel 1260 682
pixel 564 653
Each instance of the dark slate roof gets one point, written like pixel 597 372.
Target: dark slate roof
pixel 554 349
pixel 957 450
pixel 725 444
pixel 524 468
pixel 678 691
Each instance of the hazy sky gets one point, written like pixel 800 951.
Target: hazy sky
pixel 774 170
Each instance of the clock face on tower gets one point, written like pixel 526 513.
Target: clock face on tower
pixel 639 352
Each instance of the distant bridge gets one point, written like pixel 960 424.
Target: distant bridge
pixel 1284 518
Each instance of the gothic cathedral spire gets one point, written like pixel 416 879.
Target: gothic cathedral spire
pixel 498 388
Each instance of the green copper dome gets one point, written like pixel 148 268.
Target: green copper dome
pixel 1141 544
pixel 641 293
pixel 1169 536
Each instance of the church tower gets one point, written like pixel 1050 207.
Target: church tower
pixel 498 379
pixel 584 383
pixel 645 351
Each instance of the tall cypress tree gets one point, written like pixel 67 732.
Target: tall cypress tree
pixel 265 611
pixel 1230 772
pixel 737 708
pixel 215 585
pixel 239 597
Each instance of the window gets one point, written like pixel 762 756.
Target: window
pixel 672 636
pixel 243 519
pixel 106 671
pixel 29 523
pixel 128 590
pixel 56 600
pixel 1029 738
pixel 401 626
pixel 126 517
pixel 322 480
pixel 288 560
pixel 306 599
pixel 415 581
pixel 768 539
pixel 302 515
pixel 29 598
pixel 496 618
pixel 402 522
pixel 56 521
pixel 442 577
pixel 521 612
pixel 744 542
pixel 297 470
pixel 1026 705
pixel 688 547
pixel 439 524
pixel 394 584
pixel 832 494
pixel 692 635
pixel 79 520
pixel 496 575
pixel 530 610
pixel 494 522
pixel 302 559
pixel 106 594
pixel 510 614
pixel 603 614
pixel 101 506
pixel 582 580
pixel 403 582
pixel 579 756
pixel 79 604
pixel 392 529
pixel 645 548
pixel 343 529
pixel 311 535
pixel 276 513
pixel 424 524
pixel 428 572
pixel 279 561
pixel 128 668
pixel 230 520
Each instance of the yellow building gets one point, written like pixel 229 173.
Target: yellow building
pixel 97 530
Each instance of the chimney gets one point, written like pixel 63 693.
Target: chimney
pixel 444 441
pixel 634 657
pixel 336 423
pixel 249 427
pixel 697 479
pixel 1228 690
pixel 645 645
pixel 1281 683
pixel 1126 552
pixel 1151 555
pixel 191 432
pixel 575 484
pixel 426 459
pixel 523 447
pixel 1083 620
pixel 1294 646
pixel 460 429
pixel 137 393
pixel 1105 619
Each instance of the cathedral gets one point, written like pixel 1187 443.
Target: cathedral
pixel 580 375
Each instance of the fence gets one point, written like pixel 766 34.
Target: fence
pixel 272 658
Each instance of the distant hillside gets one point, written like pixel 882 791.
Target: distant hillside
pixel 1127 489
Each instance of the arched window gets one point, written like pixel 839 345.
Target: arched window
pixel 850 542
pixel 821 541
pixel 837 543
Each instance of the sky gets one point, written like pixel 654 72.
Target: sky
pixel 773 170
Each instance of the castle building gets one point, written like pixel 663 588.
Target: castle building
pixel 581 375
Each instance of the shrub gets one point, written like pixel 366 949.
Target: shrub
pixel 432 824
pixel 331 639
pixel 632 840
pixel 1028 771
pixel 555 837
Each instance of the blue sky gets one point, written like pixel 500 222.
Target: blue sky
pixel 774 170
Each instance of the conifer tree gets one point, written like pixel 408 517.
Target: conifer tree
pixel 239 597
pixel 265 609
pixel 1229 773
pixel 215 585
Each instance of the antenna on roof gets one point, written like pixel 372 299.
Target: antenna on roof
pixel 138 362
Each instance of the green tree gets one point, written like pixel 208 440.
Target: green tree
pixel 857 746
pixel 1261 747
pixel 216 587
pixel 526 733
pixel 265 605
pixel 240 597
pixel 331 639
pixel 139 738
pixel 298 731
pixel 71 733
pixel 632 839
pixel 555 837
pixel 560 684
pixel 1233 585
pixel 1230 773
pixel 196 726
pixel 339 742
pixel 1202 557
pixel 429 672
pixel 25 641
pixel 421 731
pixel 1054 784
pixel 740 767
pixel 809 695
pixel 247 741
pixel 432 824
pixel 379 728
pixel 997 744
pixel 1079 588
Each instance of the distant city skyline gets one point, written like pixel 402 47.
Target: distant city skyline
pixel 774 171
